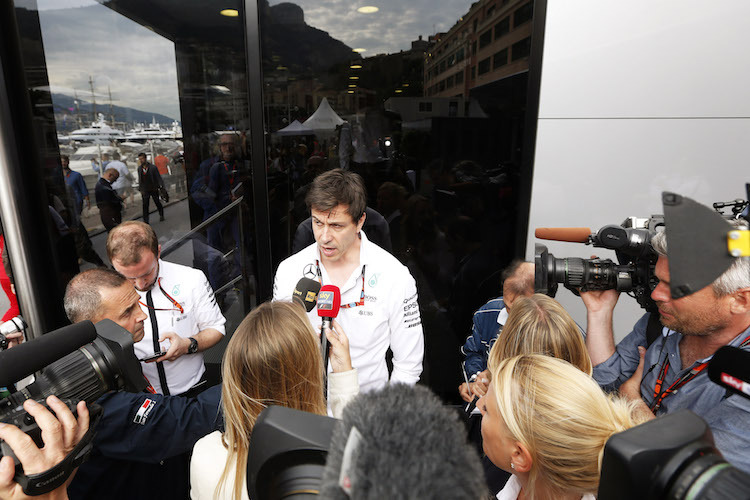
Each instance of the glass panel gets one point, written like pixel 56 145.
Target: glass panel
pixel 126 84
pixel 439 150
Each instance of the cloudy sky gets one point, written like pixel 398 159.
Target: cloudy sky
pixel 83 38
pixel 391 29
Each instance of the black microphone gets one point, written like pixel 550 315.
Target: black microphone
pixel 401 442
pixel 306 293
pixel 730 368
pixel 31 356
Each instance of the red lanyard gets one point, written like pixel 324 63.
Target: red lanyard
pixel 177 305
pixel 659 395
pixel 361 301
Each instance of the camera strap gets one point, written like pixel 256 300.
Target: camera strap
pixel 44 482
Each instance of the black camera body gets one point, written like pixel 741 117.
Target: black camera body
pixel 102 360
pixel 634 274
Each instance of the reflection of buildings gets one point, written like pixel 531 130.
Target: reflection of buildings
pixel 416 112
pixel 489 43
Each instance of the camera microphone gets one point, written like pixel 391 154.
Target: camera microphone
pixel 730 367
pixel 31 356
pixel 401 442
pixel 306 293
pixel 570 234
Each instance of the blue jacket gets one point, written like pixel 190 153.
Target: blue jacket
pixel 135 440
pixel 484 332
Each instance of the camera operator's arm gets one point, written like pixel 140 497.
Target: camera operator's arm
pixel 60 435
pixel 600 339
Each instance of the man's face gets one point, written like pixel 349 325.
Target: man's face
pixel 65 163
pixel 226 147
pixel 143 274
pixel 701 313
pixel 141 160
pixel 121 306
pixel 112 176
pixel 335 232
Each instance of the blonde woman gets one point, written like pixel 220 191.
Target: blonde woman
pixel 273 358
pixel 540 325
pixel 546 422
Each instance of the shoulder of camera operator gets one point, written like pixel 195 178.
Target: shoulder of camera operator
pixel 727 420
pixel 484 330
pixel 621 365
pixel 152 427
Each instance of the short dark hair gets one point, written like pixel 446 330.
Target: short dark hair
pixel 141 154
pixel 338 187
pixel 83 294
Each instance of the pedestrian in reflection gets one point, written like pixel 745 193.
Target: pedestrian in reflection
pixel 75 180
pixel 124 182
pixel 149 182
pixel 225 182
pixel 110 205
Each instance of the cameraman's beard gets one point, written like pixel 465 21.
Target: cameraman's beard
pixel 698 325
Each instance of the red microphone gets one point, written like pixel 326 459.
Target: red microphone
pixel 329 303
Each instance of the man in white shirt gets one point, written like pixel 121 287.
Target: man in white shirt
pixel 180 304
pixel 124 182
pixel 379 306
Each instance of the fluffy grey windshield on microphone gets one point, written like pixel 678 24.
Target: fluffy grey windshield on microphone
pixel 407 445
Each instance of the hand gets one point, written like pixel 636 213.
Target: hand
pixel 465 393
pixel 60 435
pixel 14 339
pixel 631 388
pixel 179 346
pixel 481 384
pixel 598 301
pixel 338 345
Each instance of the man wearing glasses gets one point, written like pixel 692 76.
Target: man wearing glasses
pixel 183 316
pixel 379 306
pixel 670 374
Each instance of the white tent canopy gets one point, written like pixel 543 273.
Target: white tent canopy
pixel 324 118
pixel 295 128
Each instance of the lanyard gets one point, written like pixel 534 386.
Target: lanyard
pixel 230 174
pixel 176 305
pixel 660 394
pixel 361 301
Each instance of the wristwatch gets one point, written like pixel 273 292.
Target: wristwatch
pixel 193 346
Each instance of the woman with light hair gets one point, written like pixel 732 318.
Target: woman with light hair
pixel 540 325
pixel 546 422
pixel 273 358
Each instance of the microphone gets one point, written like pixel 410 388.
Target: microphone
pixel 31 356
pixel 306 293
pixel 730 368
pixel 329 303
pixel 571 234
pixel 401 442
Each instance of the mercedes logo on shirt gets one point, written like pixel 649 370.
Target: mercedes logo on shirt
pixel 309 271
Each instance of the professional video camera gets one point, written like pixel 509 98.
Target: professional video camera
pixel 631 242
pixel 671 457
pixel 78 362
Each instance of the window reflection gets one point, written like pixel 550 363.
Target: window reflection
pixel 433 123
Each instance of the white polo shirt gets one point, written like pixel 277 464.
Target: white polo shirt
pixel 389 318
pixel 188 287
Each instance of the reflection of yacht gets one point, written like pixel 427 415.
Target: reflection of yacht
pixel 154 131
pixel 99 133
pixel 80 161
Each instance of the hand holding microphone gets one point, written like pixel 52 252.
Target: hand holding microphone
pixel 341 360
pixel 329 302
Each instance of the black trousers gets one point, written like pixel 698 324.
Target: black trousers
pixel 147 195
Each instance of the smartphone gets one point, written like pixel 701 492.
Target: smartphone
pixel 152 357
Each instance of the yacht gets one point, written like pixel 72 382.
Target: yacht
pixel 98 133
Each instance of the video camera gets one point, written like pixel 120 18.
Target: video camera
pixel 77 362
pixel 631 242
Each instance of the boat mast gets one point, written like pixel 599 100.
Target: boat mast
pixel 93 99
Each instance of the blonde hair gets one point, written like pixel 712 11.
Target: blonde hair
pixel 561 416
pixel 540 325
pixel 273 358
